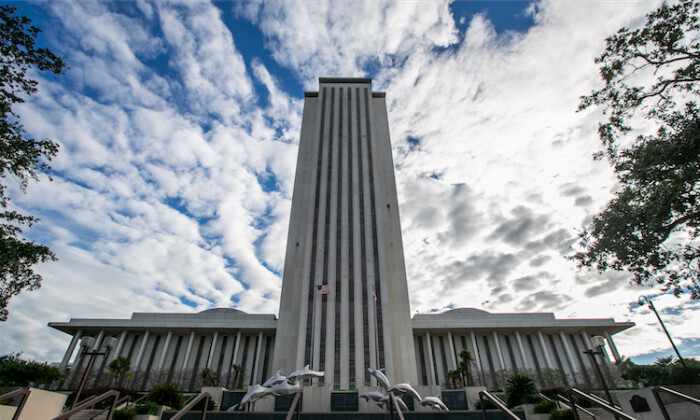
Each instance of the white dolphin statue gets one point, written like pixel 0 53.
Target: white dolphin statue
pixel 284 388
pixel 435 403
pixel 405 388
pixel 275 379
pixel 375 396
pixel 381 378
pixel 254 393
pixel 305 373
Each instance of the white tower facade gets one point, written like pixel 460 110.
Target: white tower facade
pixel 344 302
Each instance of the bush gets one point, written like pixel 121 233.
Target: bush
pixel 15 371
pixel 520 389
pixel 663 375
pixel 552 391
pixel 124 414
pixel 167 394
pixel 149 407
pixel 545 406
pixel 558 414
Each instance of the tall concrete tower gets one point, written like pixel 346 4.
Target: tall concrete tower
pixel 344 304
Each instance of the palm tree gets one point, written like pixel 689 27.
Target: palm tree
pixel 209 377
pixel 119 368
pixel 238 369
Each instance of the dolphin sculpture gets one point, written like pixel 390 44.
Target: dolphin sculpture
pixel 375 396
pixel 435 403
pixel 284 388
pixel 275 379
pixel 381 378
pixel 254 393
pixel 305 373
pixel 405 388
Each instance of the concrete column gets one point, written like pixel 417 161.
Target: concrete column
pixel 586 340
pixel 544 350
pixel 450 342
pixel 189 350
pixel 212 349
pixel 498 350
pixel 476 351
pixel 569 356
pixel 522 350
pixel 165 350
pixel 120 345
pixel 431 363
pixel 141 350
pixel 256 363
pixel 98 341
pixel 69 352
pixel 235 348
pixel 613 347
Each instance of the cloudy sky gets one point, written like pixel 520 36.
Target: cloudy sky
pixel 179 125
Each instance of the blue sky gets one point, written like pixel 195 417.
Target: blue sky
pixel 179 123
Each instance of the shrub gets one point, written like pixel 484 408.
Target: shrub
pixel 552 391
pixel 124 414
pixel 167 394
pixel 545 406
pixel 663 374
pixel 149 407
pixel 520 389
pixel 15 371
pixel 558 414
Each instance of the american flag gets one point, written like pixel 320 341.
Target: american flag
pixel 324 289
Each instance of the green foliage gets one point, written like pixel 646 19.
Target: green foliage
pixel 167 394
pixel 15 371
pixel 119 367
pixel 552 391
pixel 545 406
pixel 21 158
pixel 462 375
pixel 149 407
pixel 520 389
pixel 663 374
pixel 558 414
pixel 651 227
pixel 210 377
pixel 124 414
pixel 554 377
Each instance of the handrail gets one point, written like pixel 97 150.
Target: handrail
pixel 16 392
pixel 567 401
pixel 90 402
pixel 394 406
pixel 295 406
pixel 597 401
pixel 186 409
pixel 497 401
pixel 126 399
pixel 544 397
pixel 658 389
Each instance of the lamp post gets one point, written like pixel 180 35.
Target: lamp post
pixel 86 343
pixel 598 342
pixel 641 301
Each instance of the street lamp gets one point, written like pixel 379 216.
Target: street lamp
pixel 598 342
pixel 85 343
pixel 641 301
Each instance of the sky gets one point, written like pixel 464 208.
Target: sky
pixel 179 123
